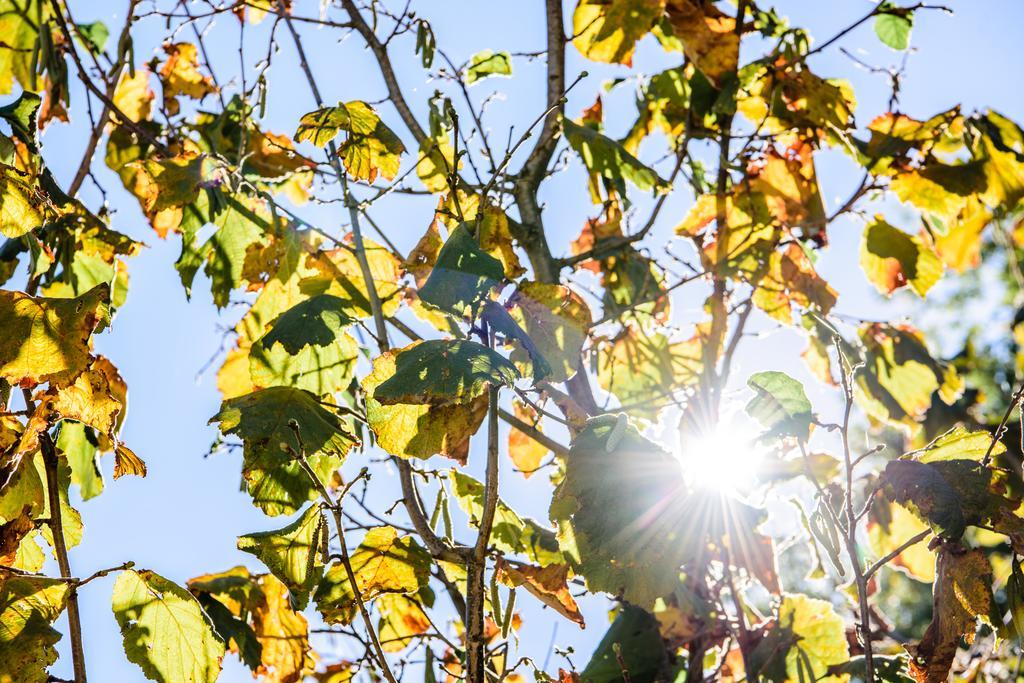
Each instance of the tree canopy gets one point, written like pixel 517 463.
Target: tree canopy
pixel 732 527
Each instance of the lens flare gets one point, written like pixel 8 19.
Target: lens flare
pixel 724 459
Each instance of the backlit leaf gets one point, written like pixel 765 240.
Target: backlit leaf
pixel 166 633
pixel 292 553
pixel 384 563
pixel 417 430
pixel 547 584
pixel 892 26
pixel 605 157
pixel 275 480
pixel 821 636
pixel 47 340
pixel 962 593
pixel 622 496
pixel 488 63
pixel 463 274
pixel 607 31
pixel 892 259
pixel 780 404
pixel 444 371
pixel 28 607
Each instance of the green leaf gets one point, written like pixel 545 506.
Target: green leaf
pixel 510 533
pixel 463 274
pixel 239 226
pixel 900 378
pixel 636 636
pixel 292 552
pixel 94 35
pixel 384 563
pixel 80 449
pixel 623 497
pixel 20 34
pixel 609 159
pixel 318 321
pixel 960 443
pixel 445 371
pixel 488 63
pixel 557 320
pixel 166 633
pixel 308 348
pixel 28 607
pixel 21 116
pixel 419 431
pixel 781 404
pixel 892 26
pixel 261 419
pixel 892 259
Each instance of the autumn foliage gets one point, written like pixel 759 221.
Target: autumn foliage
pixel 475 351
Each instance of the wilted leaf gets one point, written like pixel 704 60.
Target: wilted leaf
pixel 547 584
pixel 709 37
pixel 962 593
pixel 180 75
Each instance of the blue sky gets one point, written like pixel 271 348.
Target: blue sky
pixel 183 519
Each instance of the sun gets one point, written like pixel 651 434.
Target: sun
pixel 726 458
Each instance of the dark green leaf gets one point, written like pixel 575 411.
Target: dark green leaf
pixel 444 371
pixel 463 274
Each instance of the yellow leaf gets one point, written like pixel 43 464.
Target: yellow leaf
pixel 419 431
pixel 889 526
pixel 607 30
pixel 709 36
pixel 892 259
pixel 47 340
pixel 133 95
pixel 180 75
pixel 526 453
pixel 821 636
